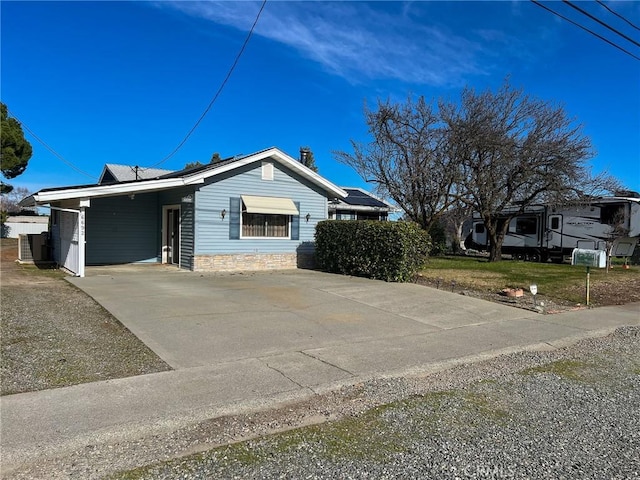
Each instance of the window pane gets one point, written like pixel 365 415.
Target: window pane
pixel 276 225
pixel 526 226
pixel 252 225
pixel 263 225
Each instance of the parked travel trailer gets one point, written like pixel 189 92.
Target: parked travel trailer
pixel 551 232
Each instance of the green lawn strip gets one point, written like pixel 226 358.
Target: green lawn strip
pixel 564 282
pixel 45 270
pixel 569 369
pixel 597 369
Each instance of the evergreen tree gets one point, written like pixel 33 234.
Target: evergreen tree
pixel 15 150
pixel 307 159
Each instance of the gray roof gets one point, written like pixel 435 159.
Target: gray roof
pixel 113 173
pixel 110 186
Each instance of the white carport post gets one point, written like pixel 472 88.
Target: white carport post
pixel 84 203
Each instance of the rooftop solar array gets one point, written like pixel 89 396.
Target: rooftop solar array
pixel 358 197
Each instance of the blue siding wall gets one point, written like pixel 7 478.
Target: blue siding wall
pixel 212 232
pixel 122 230
pixel 186 235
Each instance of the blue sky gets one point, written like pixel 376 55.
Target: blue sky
pixel 123 82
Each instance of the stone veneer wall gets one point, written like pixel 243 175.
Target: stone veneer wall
pixel 248 261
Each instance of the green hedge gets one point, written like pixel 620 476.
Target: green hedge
pixel 391 251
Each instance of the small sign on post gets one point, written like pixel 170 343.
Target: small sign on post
pixel 533 288
pixel 589 258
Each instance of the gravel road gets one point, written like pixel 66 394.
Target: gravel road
pixel 568 413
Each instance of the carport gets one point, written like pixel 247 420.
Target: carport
pixel 106 224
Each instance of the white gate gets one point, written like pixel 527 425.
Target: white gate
pixel 69 236
pixel 70 241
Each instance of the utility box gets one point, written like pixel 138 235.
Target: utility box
pixel 589 258
pixel 33 248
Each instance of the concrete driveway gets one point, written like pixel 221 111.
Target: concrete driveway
pixel 244 342
pixel 297 317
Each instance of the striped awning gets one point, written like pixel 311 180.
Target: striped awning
pixel 271 205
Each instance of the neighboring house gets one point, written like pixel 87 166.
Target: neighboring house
pixel 359 205
pixel 257 211
pixel 113 173
pixel 24 224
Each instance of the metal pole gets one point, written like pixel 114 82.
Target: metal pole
pixel 588 277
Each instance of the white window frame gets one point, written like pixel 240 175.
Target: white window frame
pixel 163 241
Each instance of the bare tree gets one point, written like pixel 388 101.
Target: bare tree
pixel 10 201
pixel 512 150
pixel 454 219
pixel 618 223
pixel 406 159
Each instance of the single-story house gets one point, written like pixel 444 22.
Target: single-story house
pixel 359 205
pixel 257 211
pixel 16 225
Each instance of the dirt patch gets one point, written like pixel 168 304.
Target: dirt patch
pixel 620 292
pixel 54 335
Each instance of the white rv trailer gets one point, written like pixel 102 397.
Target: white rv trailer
pixel 551 232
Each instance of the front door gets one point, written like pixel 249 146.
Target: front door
pixel 171 240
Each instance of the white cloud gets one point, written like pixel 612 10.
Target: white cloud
pixel 360 41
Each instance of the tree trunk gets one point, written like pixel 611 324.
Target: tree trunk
pixel 496 235
pixel 459 240
pixel 495 253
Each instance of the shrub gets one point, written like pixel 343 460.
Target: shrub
pixel 391 251
pixel 438 239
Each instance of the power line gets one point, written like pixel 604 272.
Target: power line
pixel 222 85
pixel 617 14
pixel 601 22
pixel 32 133
pixel 585 29
pixel 184 140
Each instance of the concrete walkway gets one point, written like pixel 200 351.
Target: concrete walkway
pixel 241 342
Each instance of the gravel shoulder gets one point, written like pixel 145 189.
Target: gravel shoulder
pixel 54 335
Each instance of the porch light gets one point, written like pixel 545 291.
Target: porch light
pixel 308 216
pixel 223 213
